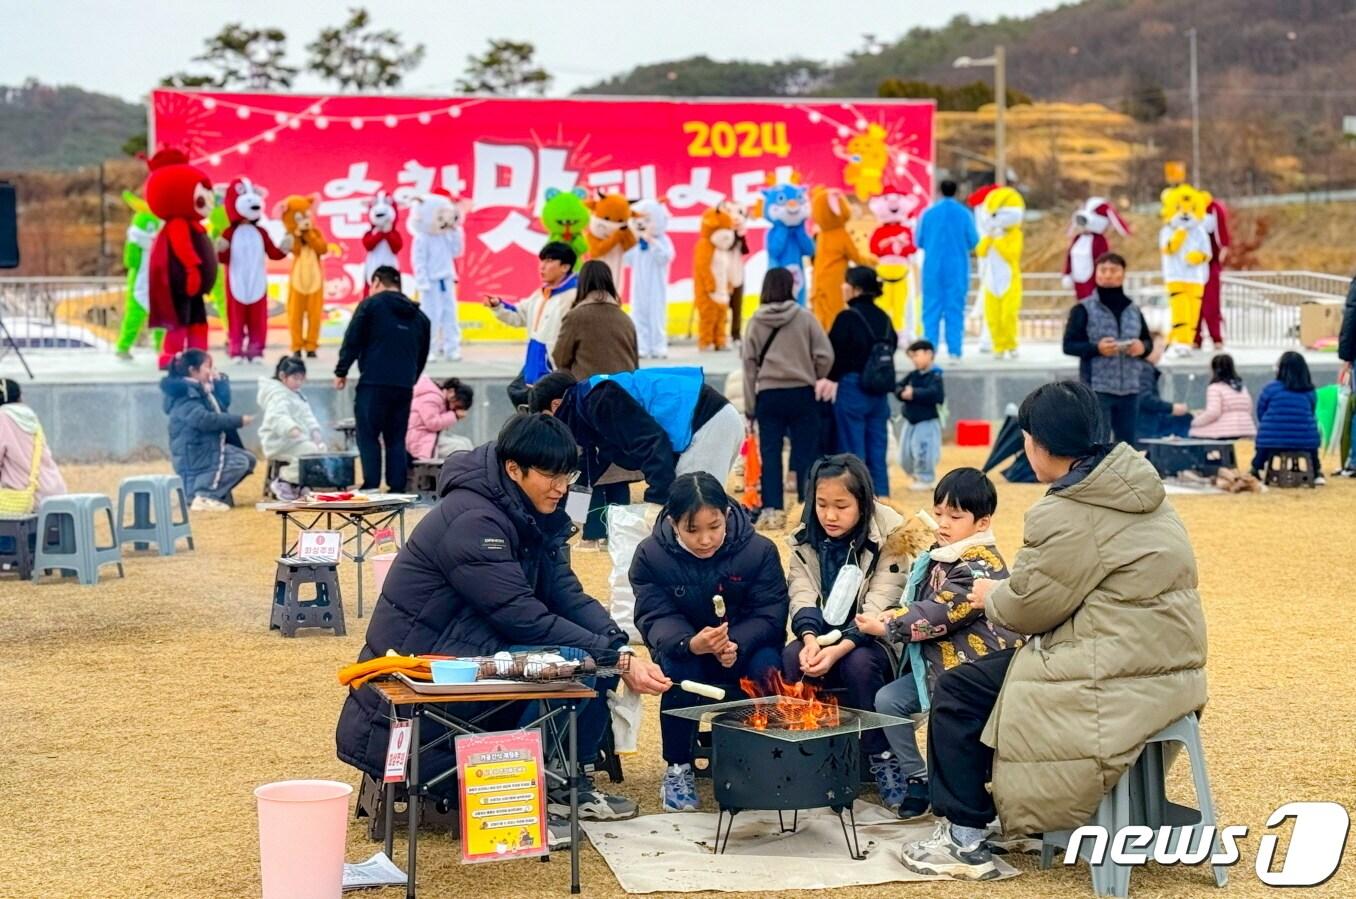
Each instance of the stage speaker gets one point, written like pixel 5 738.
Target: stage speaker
pixel 9 226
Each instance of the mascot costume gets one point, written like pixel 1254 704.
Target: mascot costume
pixel 245 248
pixel 1212 318
pixel 1088 230
pixel 733 262
pixel 565 218
pixel 608 233
pixel 650 259
pixel 382 241
pixel 140 237
pixel 216 225
pixel 183 261
pixel 1185 244
pixel 788 245
pixel 1000 214
pixel 711 273
pixel 867 156
pixel 834 249
pixel 892 242
pixel 438 240
pixel 306 283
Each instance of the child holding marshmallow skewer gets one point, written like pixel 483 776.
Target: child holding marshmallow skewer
pixel 938 624
pixel 711 604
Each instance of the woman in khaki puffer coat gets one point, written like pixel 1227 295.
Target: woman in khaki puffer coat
pixel 1105 583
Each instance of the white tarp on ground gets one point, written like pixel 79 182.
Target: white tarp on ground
pixel 673 852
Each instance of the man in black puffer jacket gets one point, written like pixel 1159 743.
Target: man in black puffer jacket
pixel 485 571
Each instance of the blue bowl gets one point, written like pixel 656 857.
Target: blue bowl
pixel 454 671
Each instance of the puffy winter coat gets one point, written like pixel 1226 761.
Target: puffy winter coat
pixel 198 429
pixel 429 417
pixel 19 437
pixel 1228 413
pixel 283 411
pixel 480 573
pixel 674 588
pixel 1105 582
pixel 1285 418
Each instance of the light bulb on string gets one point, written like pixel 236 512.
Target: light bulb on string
pixel 270 136
pixel 900 170
pixel 322 123
pixel 390 121
pixel 209 103
pixel 280 117
pixel 843 131
pixel 294 124
pixel 357 124
pixel 214 159
pixel 242 149
pixel 815 117
pixel 861 124
pixel 454 112
pixel 425 118
pixel 243 112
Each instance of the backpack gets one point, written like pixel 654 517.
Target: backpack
pixel 878 375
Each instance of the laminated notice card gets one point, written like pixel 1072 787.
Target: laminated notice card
pixel 503 801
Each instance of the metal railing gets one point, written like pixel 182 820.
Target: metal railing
pixel 67 313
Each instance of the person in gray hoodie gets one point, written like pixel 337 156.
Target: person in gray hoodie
pixel 786 357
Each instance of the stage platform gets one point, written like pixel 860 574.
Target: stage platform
pixel 98 408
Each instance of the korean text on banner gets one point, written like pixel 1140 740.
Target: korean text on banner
pixel 503 800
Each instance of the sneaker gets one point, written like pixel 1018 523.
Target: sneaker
pixel 454 356
pixel 916 803
pixel 771 520
pixel 594 804
pixel 920 486
pixel 593 546
pixel 285 491
pixel 557 832
pixel 941 855
pixel 889 779
pixel 1320 481
pixel 679 789
pixel 207 504
pixel 312 354
pixel 1347 472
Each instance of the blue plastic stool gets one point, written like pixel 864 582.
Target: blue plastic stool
pixel 66 539
pixel 154 520
pixel 22 532
pixel 1140 798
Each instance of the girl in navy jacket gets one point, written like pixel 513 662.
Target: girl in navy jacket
pixel 704 546
pixel 1285 416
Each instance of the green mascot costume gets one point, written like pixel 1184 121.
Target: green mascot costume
pixel 140 235
pixel 565 218
pixel 216 224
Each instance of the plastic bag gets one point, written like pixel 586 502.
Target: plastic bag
pixel 627 712
pixel 843 597
pixel 626 527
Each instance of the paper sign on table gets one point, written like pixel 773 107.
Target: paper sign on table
pixel 397 752
pixel 503 802
pixel 325 545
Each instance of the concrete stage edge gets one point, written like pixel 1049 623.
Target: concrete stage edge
pixel 96 409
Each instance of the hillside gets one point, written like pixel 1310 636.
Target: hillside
pixel 1279 55
pixel 45 127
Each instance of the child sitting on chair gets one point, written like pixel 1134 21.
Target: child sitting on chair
pixel 1286 420
pixel 289 428
pixel 937 622
pixel 436 409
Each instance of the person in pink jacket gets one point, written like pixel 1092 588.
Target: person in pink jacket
pixel 22 483
pixel 434 411
pixel 1228 406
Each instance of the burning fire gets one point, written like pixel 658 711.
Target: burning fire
pixel 795 706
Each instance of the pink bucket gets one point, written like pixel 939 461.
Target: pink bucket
pixel 303 825
pixel 381 564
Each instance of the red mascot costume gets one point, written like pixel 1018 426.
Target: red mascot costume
pixel 1212 315
pixel 183 260
pixel 245 248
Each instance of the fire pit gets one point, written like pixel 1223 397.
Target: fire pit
pixel 786 752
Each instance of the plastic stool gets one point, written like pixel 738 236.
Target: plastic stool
pixel 435 813
pixel 22 531
pixel 972 433
pixel 66 537
pixel 290 611
pixel 1139 798
pixel 1287 469
pixel 154 498
pixel 424 476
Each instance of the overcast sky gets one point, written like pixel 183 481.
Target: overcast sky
pixel 125 49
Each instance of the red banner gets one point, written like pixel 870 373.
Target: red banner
pixel 503 155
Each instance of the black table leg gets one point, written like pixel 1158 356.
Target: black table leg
pixel 358 559
pixel 573 774
pixel 388 802
pixel 412 785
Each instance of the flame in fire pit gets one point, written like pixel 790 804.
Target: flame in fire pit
pixel 794 706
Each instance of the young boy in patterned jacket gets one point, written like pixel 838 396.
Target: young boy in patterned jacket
pixel 936 622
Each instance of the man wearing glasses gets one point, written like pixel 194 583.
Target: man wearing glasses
pixel 486 571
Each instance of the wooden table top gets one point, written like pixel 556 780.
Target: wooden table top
pixel 398 692
pixel 376 504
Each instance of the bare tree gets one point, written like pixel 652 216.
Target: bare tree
pixel 240 57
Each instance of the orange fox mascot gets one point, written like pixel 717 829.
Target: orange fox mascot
pixel 834 249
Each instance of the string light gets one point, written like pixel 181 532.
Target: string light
pixel 425 118
pixel 294 124
pixel 861 124
pixel 243 112
pixel 390 121
pixel 270 136
pixel 844 130
pixel 242 149
pixel 454 112
pixel 280 118
pixel 814 117
pixel 357 124
pixel 209 103
pixel 322 123
pixel 214 159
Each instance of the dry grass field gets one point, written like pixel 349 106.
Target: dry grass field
pixel 139 714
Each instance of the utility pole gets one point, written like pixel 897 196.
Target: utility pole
pixel 1195 113
pixel 1000 89
pixel 103 222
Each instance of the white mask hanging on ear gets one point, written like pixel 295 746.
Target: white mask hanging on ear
pixel 843 597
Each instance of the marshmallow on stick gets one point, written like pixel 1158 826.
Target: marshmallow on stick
pixel 830 638
pixel 718 603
